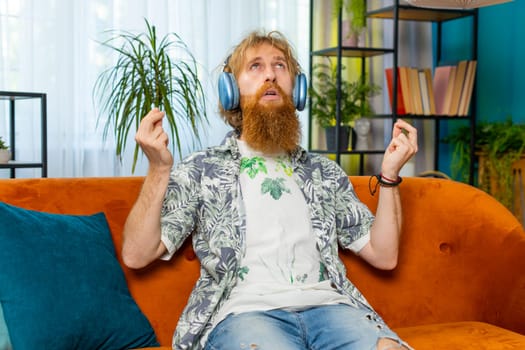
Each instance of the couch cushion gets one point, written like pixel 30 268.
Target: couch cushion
pixel 461 336
pixel 61 286
pixel 5 342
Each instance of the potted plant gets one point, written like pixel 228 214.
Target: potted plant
pixel 147 74
pixel 498 145
pixel 354 100
pixel 5 155
pixel 356 23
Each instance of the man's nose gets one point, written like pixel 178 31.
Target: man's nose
pixel 270 74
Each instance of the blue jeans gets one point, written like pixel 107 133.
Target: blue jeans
pixel 317 328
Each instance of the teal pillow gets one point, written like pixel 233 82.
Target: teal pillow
pixel 5 343
pixel 61 286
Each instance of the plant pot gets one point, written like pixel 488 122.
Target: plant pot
pixel 5 156
pixel 344 135
pixel 352 38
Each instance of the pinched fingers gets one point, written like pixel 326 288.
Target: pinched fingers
pixel 154 140
pixel 406 134
pixel 402 147
pixel 150 130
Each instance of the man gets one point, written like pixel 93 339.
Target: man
pixel 266 219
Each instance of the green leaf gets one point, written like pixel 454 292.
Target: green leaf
pixel 243 271
pixel 500 144
pixel 149 71
pixel 325 93
pixel 252 166
pixel 275 187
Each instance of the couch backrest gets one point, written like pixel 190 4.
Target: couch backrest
pixel 460 252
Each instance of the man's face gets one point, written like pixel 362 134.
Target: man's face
pixel 265 63
pixel 270 123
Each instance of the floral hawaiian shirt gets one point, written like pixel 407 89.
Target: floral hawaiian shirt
pixel 204 200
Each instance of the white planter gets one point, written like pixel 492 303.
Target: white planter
pixel 5 155
pixel 352 38
pixel 362 130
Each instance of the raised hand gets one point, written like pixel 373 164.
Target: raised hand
pixel 154 140
pixel 402 147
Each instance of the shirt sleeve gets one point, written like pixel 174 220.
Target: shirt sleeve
pixel 354 218
pixel 358 244
pixel 180 206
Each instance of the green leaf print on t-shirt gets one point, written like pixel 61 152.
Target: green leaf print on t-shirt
pixel 243 271
pixel 253 165
pixel 275 187
pixel 284 164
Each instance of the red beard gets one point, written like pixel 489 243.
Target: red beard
pixel 271 127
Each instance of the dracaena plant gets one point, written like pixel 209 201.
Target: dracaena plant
pixel 150 71
pixel 498 144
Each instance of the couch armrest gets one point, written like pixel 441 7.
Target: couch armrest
pixel 462 258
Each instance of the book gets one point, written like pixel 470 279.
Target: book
pixel 430 88
pixel 459 80
pixel 450 89
pixel 405 88
pixel 389 73
pixel 423 88
pixel 415 91
pixel 466 93
pixel 442 76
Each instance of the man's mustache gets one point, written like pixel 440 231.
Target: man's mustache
pixel 267 86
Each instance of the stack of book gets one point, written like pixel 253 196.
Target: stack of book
pixel 447 92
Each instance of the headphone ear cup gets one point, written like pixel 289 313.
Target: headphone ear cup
pixel 299 91
pixel 228 91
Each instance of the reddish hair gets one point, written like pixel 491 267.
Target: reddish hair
pixel 235 61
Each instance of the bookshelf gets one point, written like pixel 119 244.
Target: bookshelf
pixel 11 99
pixel 396 13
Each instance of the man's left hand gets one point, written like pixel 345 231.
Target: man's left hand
pixel 402 147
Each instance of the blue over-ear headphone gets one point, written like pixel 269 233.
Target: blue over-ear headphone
pixel 229 92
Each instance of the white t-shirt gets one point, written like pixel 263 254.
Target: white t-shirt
pixel 282 267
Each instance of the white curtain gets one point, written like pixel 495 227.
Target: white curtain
pixel 51 46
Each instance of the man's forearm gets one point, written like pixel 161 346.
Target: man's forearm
pixel 142 242
pixel 387 226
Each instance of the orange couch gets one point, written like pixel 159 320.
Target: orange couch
pixel 460 282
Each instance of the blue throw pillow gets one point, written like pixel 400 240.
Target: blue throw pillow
pixel 5 343
pixel 61 286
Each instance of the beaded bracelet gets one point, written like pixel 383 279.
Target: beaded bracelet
pixel 382 181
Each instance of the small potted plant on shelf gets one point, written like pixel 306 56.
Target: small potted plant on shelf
pixel 354 102
pixel 5 155
pixel 150 71
pixel 356 23
pixel 498 145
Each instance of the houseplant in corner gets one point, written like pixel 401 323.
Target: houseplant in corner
pixel 354 101
pixel 5 155
pixel 148 74
pixel 498 145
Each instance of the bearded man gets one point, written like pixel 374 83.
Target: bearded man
pixel 267 219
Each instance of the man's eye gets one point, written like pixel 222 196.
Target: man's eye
pixel 280 65
pixel 254 66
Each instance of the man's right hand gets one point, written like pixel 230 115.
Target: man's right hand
pixel 154 141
